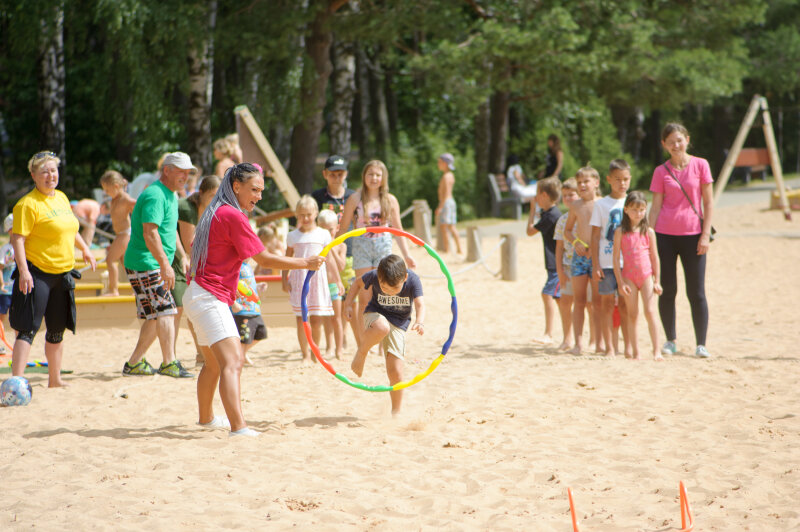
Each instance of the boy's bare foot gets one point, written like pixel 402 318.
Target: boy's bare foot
pixel 565 346
pixel 544 340
pixel 575 350
pixel 109 294
pixel 657 357
pixel 357 365
pixel 57 384
pixel 338 355
pixel 306 361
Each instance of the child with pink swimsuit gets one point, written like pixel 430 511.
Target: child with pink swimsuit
pixel 635 242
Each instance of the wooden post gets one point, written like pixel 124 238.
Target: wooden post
pixel 774 159
pixel 473 244
pixel 508 258
pixel 422 220
pixel 733 154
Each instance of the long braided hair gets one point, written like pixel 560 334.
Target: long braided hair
pixel 240 173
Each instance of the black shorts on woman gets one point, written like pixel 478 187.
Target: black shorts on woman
pixel 52 298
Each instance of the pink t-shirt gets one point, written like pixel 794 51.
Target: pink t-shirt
pixel 231 240
pixel 676 216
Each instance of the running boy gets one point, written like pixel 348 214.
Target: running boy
pixel 446 211
pixel 606 217
pixel 578 231
pixel 390 291
pixel 548 192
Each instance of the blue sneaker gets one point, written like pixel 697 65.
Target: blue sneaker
pixel 669 348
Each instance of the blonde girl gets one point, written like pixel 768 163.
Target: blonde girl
pixel 122 203
pixel 635 241
pixel 370 206
pixel 307 241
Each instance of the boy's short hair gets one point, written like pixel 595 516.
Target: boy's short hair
pixel 569 184
pixel 266 233
pixel 392 270
pixel 112 177
pixel 618 164
pixel 587 170
pixel 550 186
pixel 327 217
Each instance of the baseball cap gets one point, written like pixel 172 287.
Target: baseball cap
pixel 336 162
pixel 8 223
pixel 449 160
pixel 178 159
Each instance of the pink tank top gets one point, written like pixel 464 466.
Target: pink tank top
pixel 635 248
pixel 371 218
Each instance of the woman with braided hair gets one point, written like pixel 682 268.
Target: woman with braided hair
pixel 223 240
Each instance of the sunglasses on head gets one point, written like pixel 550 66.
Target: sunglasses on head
pixel 43 154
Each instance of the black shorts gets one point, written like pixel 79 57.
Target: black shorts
pixel 51 299
pixel 251 328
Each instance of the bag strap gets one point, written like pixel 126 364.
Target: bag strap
pixel 691 204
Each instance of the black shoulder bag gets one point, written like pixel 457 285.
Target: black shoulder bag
pixel 713 231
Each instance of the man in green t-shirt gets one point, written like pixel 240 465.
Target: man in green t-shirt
pixel 148 262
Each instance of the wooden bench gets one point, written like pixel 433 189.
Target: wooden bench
pixel 753 160
pixel 501 197
pixel 103 312
pixel 96 289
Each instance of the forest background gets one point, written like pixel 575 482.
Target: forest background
pixel 115 83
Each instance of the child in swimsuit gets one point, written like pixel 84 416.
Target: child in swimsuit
pixel 639 274
pixel 121 207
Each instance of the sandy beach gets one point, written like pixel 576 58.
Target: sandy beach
pixel 490 441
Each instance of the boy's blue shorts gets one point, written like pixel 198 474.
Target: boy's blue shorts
pixel 608 284
pixel 5 303
pixel 552 287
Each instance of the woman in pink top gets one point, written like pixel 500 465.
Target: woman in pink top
pixel 222 241
pixel 681 216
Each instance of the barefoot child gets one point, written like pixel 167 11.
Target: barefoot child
pixel 8 264
pixel 247 310
pixel 390 291
pixel 121 207
pixel 578 231
pixel 636 242
pixel 372 206
pixel 606 217
pixel 334 332
pixel 446 211
pixel 306 241
pixel 564 251
pixel 548 192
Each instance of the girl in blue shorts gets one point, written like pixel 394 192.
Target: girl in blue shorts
pixel 372 206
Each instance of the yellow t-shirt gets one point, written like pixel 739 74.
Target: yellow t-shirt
pixel 49 228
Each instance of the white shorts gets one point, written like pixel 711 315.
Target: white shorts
pixel 211 318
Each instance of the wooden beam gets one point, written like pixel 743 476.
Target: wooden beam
pixel 733 154
pixel 256 149
pixel 775 160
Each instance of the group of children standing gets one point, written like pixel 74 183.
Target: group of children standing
pixel 600 256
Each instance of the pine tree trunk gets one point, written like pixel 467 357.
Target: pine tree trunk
pixel 305 136
pixel 498 128
pixel 344 92
pixel 362 130
pixel 52 78
pixel 482 158
pixel 378 108
pixel 201 81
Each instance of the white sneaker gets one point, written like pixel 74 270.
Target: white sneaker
pixel 702 352
pixel 247 431
pixel 217 422
pixel 669 348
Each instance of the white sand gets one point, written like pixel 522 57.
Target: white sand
pixel 489 441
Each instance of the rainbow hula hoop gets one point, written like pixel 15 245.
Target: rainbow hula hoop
pixel 453 309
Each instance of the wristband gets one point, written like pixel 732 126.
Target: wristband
pixel 578 239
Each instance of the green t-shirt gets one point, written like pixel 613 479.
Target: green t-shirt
pixel 187 212
pixel 156 205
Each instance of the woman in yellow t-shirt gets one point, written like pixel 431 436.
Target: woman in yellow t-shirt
pixel 45 233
